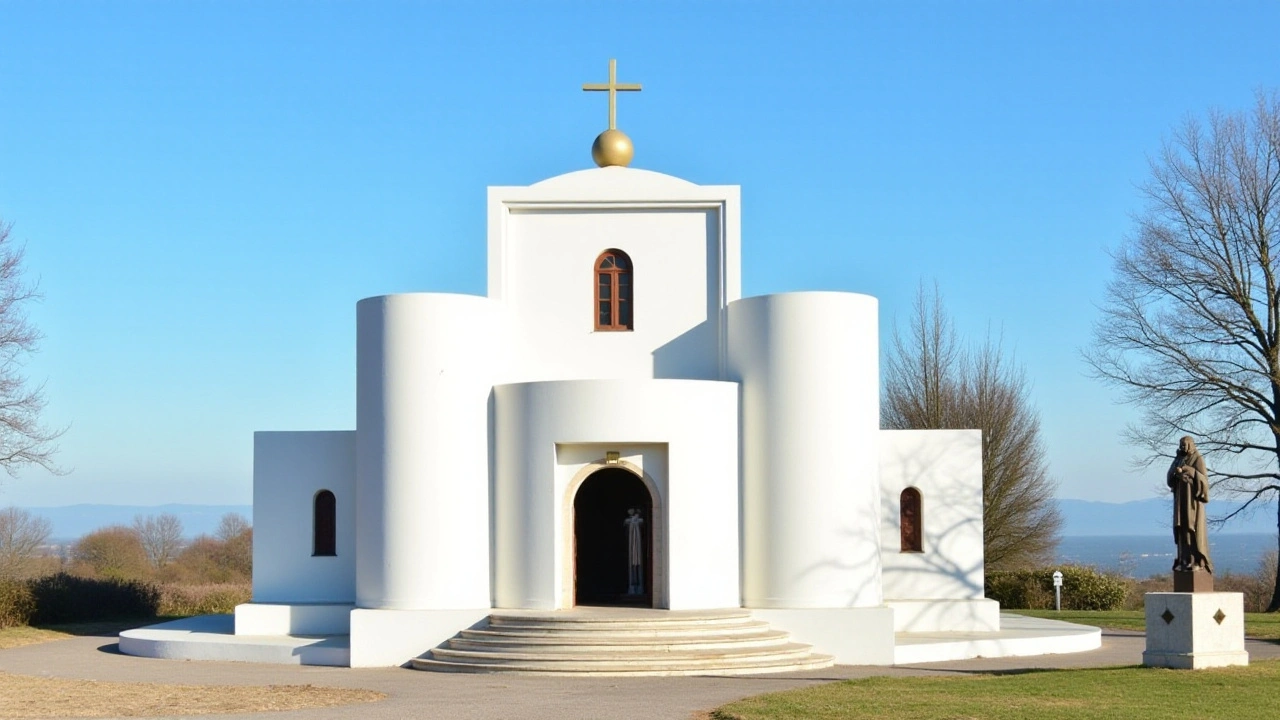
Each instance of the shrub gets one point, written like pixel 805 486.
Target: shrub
pixel 65 598
pixel 114 552
pixel 1083 588
pixel 187 600
pixel 16 603
pixel 209 560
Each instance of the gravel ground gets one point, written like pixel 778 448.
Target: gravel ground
pixel 416 694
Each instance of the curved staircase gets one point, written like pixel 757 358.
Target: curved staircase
pixel 622 641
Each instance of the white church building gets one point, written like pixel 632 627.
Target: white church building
pixel 614 369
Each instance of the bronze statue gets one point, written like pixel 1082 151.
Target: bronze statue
pixel 1189 481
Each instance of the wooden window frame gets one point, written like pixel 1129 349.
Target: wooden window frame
pixel 913 541
pixel 324 540
pixel 619 292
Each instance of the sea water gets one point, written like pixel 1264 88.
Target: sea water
pixel 1141 556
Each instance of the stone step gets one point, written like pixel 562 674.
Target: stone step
pixel 621 659
pixel 590 642
pixel 812 661
pixel 622 641
pixel 620 629
pixel 637 619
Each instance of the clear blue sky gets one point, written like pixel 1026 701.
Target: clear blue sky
pixel 205 189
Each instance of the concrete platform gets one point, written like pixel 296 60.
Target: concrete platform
pixel 1019 636
pixel 211 637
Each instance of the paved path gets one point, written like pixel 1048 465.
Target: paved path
pixel 483 697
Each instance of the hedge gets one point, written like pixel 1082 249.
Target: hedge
pixel 16 603
pixel 1083 588
pixel 64 598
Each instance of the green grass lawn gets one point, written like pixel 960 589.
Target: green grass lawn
pixel 1121 693
pixel 1256 625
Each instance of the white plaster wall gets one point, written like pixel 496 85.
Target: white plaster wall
pixel 289 468
pixel 696 421
pixel 809 367
pixel 425 365
pixel 293 619
pixel 387 638
pixel 946 466
pixel 682 240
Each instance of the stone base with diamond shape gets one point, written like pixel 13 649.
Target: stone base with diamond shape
pixel 1195 630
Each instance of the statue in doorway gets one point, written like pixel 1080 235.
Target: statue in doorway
pixel 635 552
pixel 1189 481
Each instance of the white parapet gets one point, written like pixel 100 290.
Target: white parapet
pixel 809 367
pixel 1195 630
pixel 424 367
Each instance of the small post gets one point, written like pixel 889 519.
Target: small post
pixel 1057 590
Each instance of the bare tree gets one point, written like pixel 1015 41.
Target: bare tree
pixel 21 536
pixel 161 537
pixel 23 439
pixel 931 382
pixel 236 554
pixel 231 527
pixel 1190 329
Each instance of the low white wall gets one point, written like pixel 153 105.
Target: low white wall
pixel 289 468
pixel 388 638
pixel 933 616
pixel 696 421
pixel 946 467
pixel 297 619
pixel 853 636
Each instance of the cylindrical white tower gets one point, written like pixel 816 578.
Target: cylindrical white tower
pixel 424 371
pixel 809 367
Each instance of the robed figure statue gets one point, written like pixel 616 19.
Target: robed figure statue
pixel 635 552
pixel 1189 482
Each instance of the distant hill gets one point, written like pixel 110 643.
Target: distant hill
pixel 1153 516
pixel 72 521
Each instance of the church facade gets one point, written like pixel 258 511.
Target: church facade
pixel 614 424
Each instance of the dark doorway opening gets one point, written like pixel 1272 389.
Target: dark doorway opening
pixel 602 552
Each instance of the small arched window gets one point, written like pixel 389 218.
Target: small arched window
pixel 911 521
pixel 613 291
pixel 325 527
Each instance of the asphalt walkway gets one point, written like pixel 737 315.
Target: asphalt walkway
pixel 416 694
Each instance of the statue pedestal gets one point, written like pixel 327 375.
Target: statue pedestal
pixel 1193 581
pixel 1194 630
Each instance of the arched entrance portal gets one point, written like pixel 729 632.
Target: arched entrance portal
pixel 603 571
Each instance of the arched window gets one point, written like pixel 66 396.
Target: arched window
pixel 911 521
pixel 613 291
pixel 325 527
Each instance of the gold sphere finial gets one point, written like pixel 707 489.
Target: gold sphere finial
pixel 612 147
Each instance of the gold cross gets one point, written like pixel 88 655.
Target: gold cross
pixel 613 88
